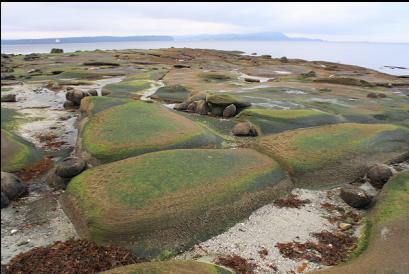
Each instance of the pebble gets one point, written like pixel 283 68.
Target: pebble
pixel 345 226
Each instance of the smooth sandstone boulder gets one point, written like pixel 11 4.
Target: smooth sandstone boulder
pixel 70 167
pixel 275 121
pixel 229 111
pixel 245 129
pixel 168 201
pixel 355 196
pixel 123 131
pixel 334 154
pixel 11 186
pixel 378 175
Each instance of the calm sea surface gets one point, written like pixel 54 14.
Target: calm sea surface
pixel 370 55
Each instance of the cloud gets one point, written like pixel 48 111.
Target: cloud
pixel 339 21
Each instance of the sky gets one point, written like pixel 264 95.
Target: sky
pixel 371 22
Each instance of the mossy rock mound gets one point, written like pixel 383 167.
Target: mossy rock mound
pixel 334 154
pixel 274 121
pixel 94 104
pixel 170 267
pixel 16 154
pixel 171 94
pixel 225 99
pixel 164 202
pixel 344 81
pixel 383 244
pixel 138 127
pixel 125 89
pixel 216 76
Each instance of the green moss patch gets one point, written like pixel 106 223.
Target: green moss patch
pixel 333 154
pixel 170 267
pixel 165 202
pixel 215 77
pixel 138 127
pixel 94 104
pixel 16 154
pixel 171 94
pixel 126 89
pixel 274 121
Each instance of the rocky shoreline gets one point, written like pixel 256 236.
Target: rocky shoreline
pixel 100 142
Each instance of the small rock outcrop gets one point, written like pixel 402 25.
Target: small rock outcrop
pixel 378 175
pixel 192 107
pixel 181 106
pixel 245 129
pixel 202 107
pixel 55 50
pixel 4 200
pixel 284 59
pixel 11 187
pixel 252 80
pixel 9 98
pixel 216 110
pixel 75 96
pixel 309 74
pixel 355 196
pixel 70 167
pixel 218 104
pixel 61 175
pixel 229 111
pixel 55 181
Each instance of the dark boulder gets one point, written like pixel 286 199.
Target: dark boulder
pixel 252 80
pixel 229 111
pixel 355 196
pixel 245 129
pixel 92 92
pixel 202 107
pixel 181 107
pixel 8 77
pixel 69 104
pixel 192 107
pixel 55 181
pixel 372 95
pixel 70 167
pixel 217 110
pixel 55 50
pixel 12 186
pixel 77 96
pixel 309 74
pixel 378 175
pixel 284 59
pixel 8 98
pixel 4 200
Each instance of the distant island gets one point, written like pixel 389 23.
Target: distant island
pixel 261 36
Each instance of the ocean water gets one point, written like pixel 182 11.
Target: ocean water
pixel 371 55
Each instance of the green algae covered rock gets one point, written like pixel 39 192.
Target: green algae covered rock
pixel 171 94
pixel 170 267
pixel 138 127
pixel 334 154
pixel 164 202
pixel 16 154
pixel 382 246
pixel 91 105
pixel 274 121
pixel 125 89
